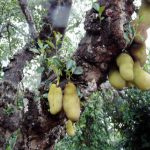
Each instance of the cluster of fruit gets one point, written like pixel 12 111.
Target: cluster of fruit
pixel 69 102
pixel 128 71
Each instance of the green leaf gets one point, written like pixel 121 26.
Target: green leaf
pixel 45 46
pixel 126 37
pixel 40 43
pixel 12 140
pixel 50 44
pixel 57 62
pixel 45 95
pixel 70 64
pixel 78 71
pixel 73 69
pixel 96 6
pixel 8 147
pixel 34 50
pixel 101 9
pixel 40 69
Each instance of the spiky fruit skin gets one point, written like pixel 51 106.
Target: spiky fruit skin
pixel 55 99
pixel 125 63
pixel 141 77
pixel 116 80
pixel 71 102
pixel 138 52
pixel 70 128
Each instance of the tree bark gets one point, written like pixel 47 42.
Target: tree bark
pixel 103 41
pixel 31 124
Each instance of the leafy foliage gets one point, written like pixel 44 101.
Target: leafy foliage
pixel 99 9
pixel 113 120
pixel 131 117
pixel 12 140
pixel 92 129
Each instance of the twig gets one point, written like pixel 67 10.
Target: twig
pixel 9 34
pixel 2 29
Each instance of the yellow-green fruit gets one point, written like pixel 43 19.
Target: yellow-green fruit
pixel 55 99
pixel 139 39
pixel 141 77
pixel 70 128
pixel 71 102
pixel 125 64
pixel 116 80
pixel 138 51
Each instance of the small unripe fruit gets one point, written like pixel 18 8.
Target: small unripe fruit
pixel 70 128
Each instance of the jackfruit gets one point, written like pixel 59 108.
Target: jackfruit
pixel 138 52
pixel 116 80
pixel 125 64
pixel 71 102
pixel 139 38
pixel 141 77
pixel 55 99
pixel 70 128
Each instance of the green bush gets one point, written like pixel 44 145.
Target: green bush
pixel 131 118
pixel 112 120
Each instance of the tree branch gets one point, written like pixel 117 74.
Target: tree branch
pixel 27 13
pixel 13 72
pixel 2 29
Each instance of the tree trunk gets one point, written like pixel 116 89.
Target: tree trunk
pixel 104 40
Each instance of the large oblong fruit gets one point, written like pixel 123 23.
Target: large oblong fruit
pixel 125 63
pixel 141 77
pixel 70 128
pixel 116 80
pixel 55 99
pixel 71 102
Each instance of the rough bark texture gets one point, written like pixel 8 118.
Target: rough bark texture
pixel 36 130
pixel 49 128
pixel 103 41
pixel 14 71
pixel 27 13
